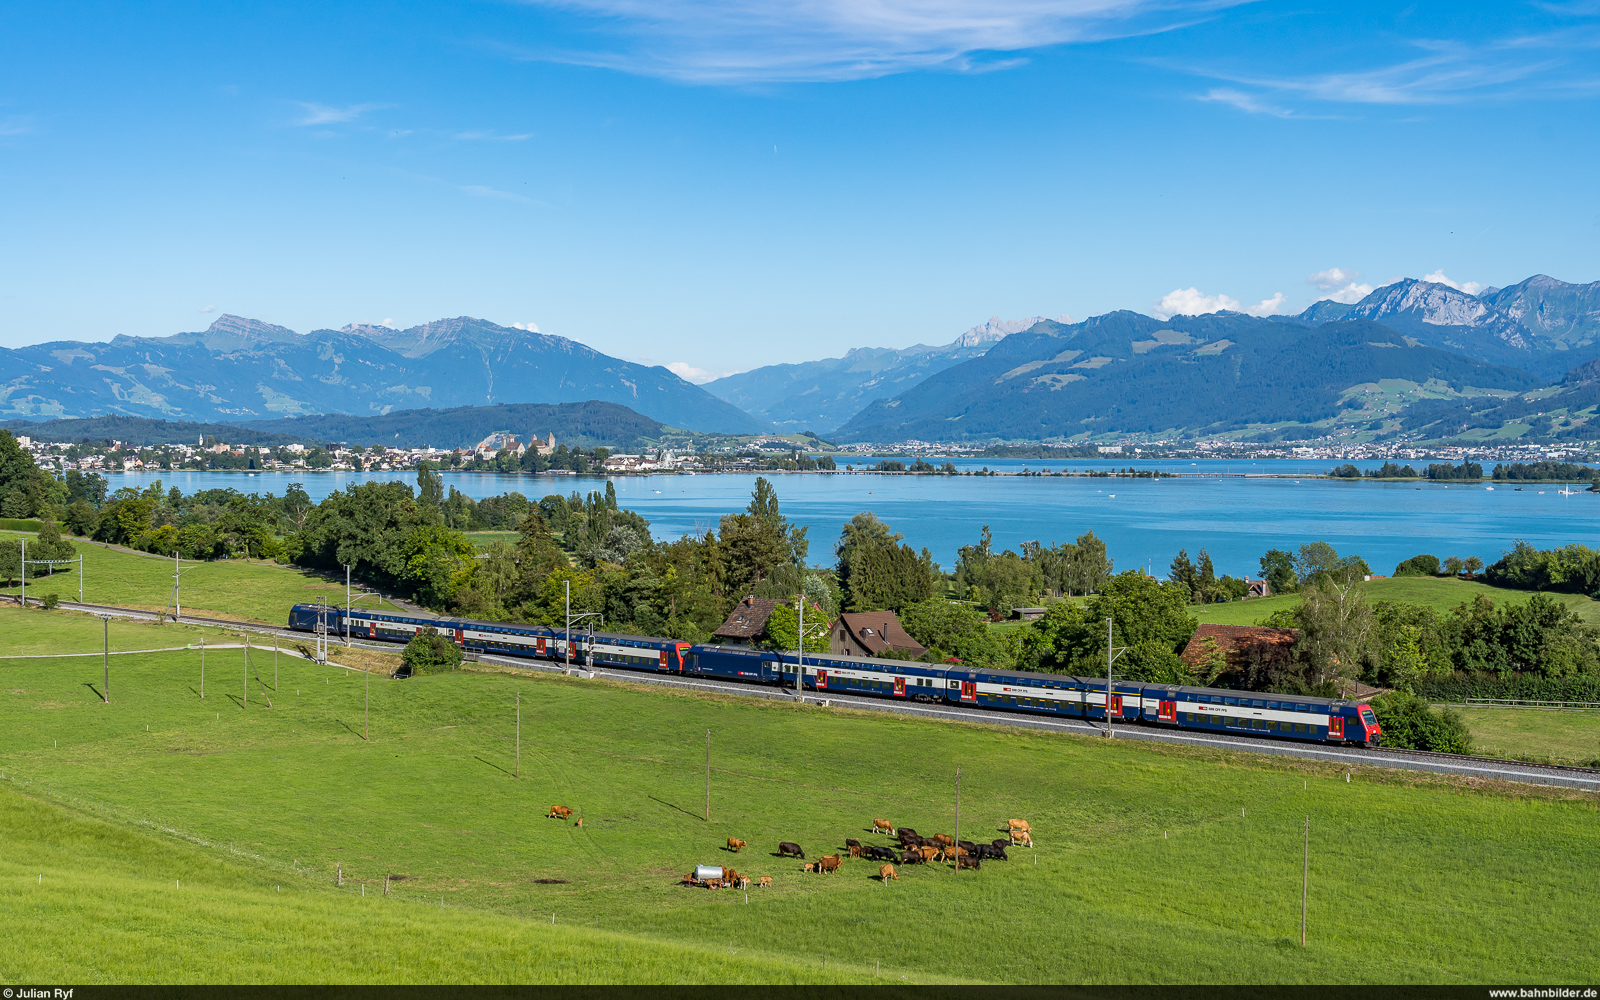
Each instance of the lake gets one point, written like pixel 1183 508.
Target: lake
pixel 1143 521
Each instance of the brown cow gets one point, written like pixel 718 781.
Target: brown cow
pixel 966 861
pixel 809 866
pixel 928 853
pixel 734 844
pixel 1021 836
pixel 1018 824
pixel 764 882
pixel 855 850
pixel 884 826
pixel 943 839
pixel 828 863
pixel 887 872
pixel 579 822
pixel 558 812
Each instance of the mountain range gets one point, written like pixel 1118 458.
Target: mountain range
pixel 820 394
pixel 242 369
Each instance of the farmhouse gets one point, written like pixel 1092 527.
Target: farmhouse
pixel 747 623
pixel 1238 644
pixel 868 633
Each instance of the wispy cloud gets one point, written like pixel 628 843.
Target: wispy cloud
pixel 19 125
pixel 1470 287
pixel 1340 285
pixel 492 137
pixel 1553 64
pixel 752 41
pixel 206 309
pixel 324 114
pixel 483 191
pixel 1194 302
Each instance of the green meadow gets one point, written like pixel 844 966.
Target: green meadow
pixel 1439 593
pixel 249 590
pixel 1154 864
pixel 1535 734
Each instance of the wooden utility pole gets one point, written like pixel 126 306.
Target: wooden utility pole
pixel 708 775
pixel 519 734
pixel 958 819
pixel 274 663
pixel 202 668
pixel 1305 881
pixel 106 656
pixel 246 674
pixel 366 720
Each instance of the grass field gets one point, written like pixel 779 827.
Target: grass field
pixel 1146 869
pixel 483 539
pixel 1437 593
pixel 1533 734
pixel 230 588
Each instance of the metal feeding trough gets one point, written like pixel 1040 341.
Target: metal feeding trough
pixel 704 872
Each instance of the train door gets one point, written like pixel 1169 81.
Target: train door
pixel 663 660
pixel 541 646
pixel 822 680
pixel 1335 727
pixel 372 630
pixel 1115 706
pixel 899 687
pixel 969 690
pixel 1168 711
pixel 461 636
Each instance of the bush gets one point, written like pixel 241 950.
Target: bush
pixel 51 601
pixel 1527 687
pixel 428 652
pixel 1409 723
pixel 1423 565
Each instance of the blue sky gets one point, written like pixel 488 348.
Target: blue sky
pixel 723 184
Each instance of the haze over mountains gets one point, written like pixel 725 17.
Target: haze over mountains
pixel 817 395
pixel 243 369
pixel 1413 356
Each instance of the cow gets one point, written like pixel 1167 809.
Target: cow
pixel 809 866
pixel 967 846
pixel 764 882
pixel 558 812
pixel 906 836
pixel 828 863
pixel 967 861
pixel 855 850
pixel 1018 824
pixel 851 842
pixel 1021 837
pixel 734 844
pixel 883 825
pixel 996 851
pixel 787 849
pixel 1000 842
pixel 734 879
pixel 579 822
pixel 943 839
pixel 909 857
pixel 887 872
pixel 928 852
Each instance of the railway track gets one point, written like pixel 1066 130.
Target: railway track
pixel 1492 768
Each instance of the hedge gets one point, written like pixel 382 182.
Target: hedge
pixel 1528 687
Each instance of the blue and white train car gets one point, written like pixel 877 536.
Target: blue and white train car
pixel 734 663
pixel 866 675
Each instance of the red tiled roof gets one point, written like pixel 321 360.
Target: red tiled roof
pixel 1235 640
pixel 877 631
pixel 748 618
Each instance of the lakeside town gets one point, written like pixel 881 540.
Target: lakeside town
pixel 503 451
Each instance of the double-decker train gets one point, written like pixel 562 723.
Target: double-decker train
pixel 1280 716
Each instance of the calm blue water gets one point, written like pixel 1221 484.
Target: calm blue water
pixel 1143 521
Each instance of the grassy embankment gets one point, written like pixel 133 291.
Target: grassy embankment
pixel 248 590
pixel 1146 869
pixel 1535 734
pixel 1441 594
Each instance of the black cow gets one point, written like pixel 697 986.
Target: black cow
pixel 998 851
pixel 907 836
pixel 880 854
pixel 851 842
pixel 1001 842
pixel 971 848
pixel 788 850
pixel 990 851
pixel 967 861
pixel 910 858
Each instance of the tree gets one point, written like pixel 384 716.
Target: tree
pixel 1148 618
pixel 1277 568
pixel 998 581
pixel 428 652
pixel 1337 632
pixel 1205 583
pixel 876 571
pixel 1182 575
pixel 783 628
pixel 430 485
pixel 949 629
pixel 1409 722
pixel 755 541
pixel 1472 564
pixel 1423 565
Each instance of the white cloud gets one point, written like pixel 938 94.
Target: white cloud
pixel 1275 306
pixel 206 309
pixel 1193 302
pixel 322 114
pixel 742 41
pixel 16 126
pixel 1340 285
pixel 529 326
pixel 1470 287
pixel 388 323
pixel 699 376
pixel 1244 102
